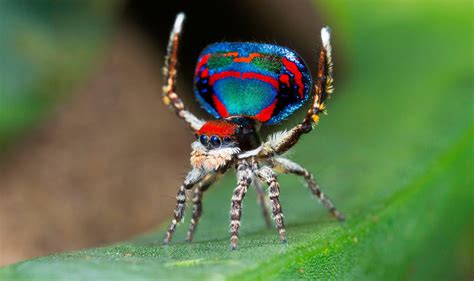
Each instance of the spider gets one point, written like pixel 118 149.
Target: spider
pixel 244 86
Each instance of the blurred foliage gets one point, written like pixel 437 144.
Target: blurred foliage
pixel 395 154
pixel 45 48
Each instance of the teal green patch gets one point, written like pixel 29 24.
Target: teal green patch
pixel 247 97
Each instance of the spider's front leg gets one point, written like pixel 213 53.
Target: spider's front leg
pixel 323 88
pixel 244 179
pixel 197 203
pixel 287 166
pixel 267 175
pixel 193 177
pixel 170 97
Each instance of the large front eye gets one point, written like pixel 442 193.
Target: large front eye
pixel 215 141
pixel 226 140
pixel 204 140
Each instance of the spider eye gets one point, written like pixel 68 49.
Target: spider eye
pixel 215 141
pixel 226 140
pixel 204 140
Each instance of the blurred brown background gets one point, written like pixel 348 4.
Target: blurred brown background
pixel 104 163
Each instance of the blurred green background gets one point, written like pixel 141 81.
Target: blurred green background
pixel 46 47
pixel 90 156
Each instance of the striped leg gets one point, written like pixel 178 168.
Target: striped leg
pixel 262 202
pixel 170 72
pixel 197 204
pixel 323 88
pixel 287 166
pixel 266 174
pixel 191 179
pixel 244 178
pixel 197 211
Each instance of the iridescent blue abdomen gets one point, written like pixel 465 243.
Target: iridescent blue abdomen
pixel 262 81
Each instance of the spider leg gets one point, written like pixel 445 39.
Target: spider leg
pixel 197 203
pixel 268 175
pixel 283 141
pixel 287 166
pixel 193 177
pixel 261 199
pixel 244 179
pixel 170 72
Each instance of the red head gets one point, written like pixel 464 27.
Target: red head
pixel 240 132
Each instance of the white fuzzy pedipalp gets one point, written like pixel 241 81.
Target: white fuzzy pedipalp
pixel 250 153
pixel 276 138
pixel 192 120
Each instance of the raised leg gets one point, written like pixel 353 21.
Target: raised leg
pixel 197 204
pixel 281 142
pixel 170 97
pixel 261 199
pixel 287 166
pixel 266 174
pixel 244 179
pixel 191 179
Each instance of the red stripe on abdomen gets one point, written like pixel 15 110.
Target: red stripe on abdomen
pixel 261 77
pixel 220 107
pixel 246 75
pixel 265 114
pixel 293 68
pixel 248 59
pixel 218 76
pixel 202 62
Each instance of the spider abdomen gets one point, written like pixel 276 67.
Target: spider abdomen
pixel 263 81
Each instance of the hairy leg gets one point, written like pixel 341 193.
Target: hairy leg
pixel 170 97
pixel 193 177
pixel 266 174
pixel 197 204
pixel 244 178
pixel 262 202
pixel 287 166
pixel 281 142
pixel 197 211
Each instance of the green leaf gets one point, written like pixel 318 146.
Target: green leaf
pixel 395 154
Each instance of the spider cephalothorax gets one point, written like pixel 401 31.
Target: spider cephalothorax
pixel 240 132
pixel 245 86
